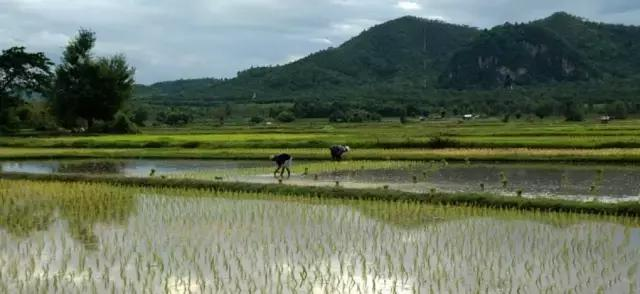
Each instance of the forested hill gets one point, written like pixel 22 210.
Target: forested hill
pixel 411 56
pixel 405 52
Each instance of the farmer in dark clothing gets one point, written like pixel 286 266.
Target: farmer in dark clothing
pixel 283 161
pixel 337 151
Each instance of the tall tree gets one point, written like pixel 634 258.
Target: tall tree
pixel 21 72
pixel 88 87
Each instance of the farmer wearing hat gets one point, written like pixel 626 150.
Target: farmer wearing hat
pixel 338 150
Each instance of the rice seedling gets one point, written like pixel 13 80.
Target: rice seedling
pixel 80 237
pixel 504 180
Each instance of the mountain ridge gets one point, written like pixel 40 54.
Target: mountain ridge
pixel 412 55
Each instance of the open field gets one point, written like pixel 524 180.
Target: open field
pixel 313 134
pixel 94 237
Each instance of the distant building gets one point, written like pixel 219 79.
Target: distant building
pixel 605 119
pixel 468 117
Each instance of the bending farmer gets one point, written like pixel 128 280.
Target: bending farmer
pixel 338 150
pixel 283 161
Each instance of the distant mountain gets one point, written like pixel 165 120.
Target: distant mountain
pixel 406 52
pixel 614 49
pixel 522 54
pixel 414 57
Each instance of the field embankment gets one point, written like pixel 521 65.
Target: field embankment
pixel 621 155
pixel 464 199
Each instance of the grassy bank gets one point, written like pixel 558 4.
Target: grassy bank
pixel 612 155
pixel 465 199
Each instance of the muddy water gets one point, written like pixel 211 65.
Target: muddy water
pixel 585 182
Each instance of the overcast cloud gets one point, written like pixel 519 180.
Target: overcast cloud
pixel 172 39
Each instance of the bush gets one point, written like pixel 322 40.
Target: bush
pixel 618 110
pixel 140 116
pixel 191 145
pixel 99 127
pixel 286 117
pixel 337 116
pixel 174 118
pixel 572 112
pixel 354 116
pixel 122 125
pixel 256 119
pixel 441 143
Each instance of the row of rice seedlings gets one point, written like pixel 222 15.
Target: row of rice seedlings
pixel 199 241
pixel 303 168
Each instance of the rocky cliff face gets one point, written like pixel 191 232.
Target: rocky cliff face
pixel 521 54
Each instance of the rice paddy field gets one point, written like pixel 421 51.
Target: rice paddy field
pixel 553 134
pixel 489 207
pixel 101 238
pixel 585 182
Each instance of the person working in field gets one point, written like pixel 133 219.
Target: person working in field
pixel 283 161
pixel 338 150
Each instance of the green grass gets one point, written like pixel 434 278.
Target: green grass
pixel 476 154
pixel 464 199
pixel 317 134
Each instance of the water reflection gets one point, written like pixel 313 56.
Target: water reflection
pixel 570 181
pixel 125 167
pixel 172 242
pixel 26 210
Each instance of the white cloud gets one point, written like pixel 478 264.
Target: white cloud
pixel 437 17
pixel 321 41
pixel 292 58
pixel 409 5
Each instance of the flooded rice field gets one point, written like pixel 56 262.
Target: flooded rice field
pixel 98 238
pixel 609 183
pixel 125 167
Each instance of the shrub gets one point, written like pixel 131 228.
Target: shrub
pixel 286 117
pixel 122 125
pixel 178 118
pixel 572 112
pixel 140 116
pixel 190 145
pixel 174 118
pixel 354 116
pixel 99 126
pixel 156 144
pixel 441 143
pixel 256 119
pixel 617 110
pixel 337 116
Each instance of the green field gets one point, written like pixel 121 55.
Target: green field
pixel 317 134
pixel 473 154
pixel 95 237
pixel 547 140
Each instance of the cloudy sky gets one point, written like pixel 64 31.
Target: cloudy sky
pixel 172 39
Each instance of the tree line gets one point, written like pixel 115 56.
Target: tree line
pixel 83 92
